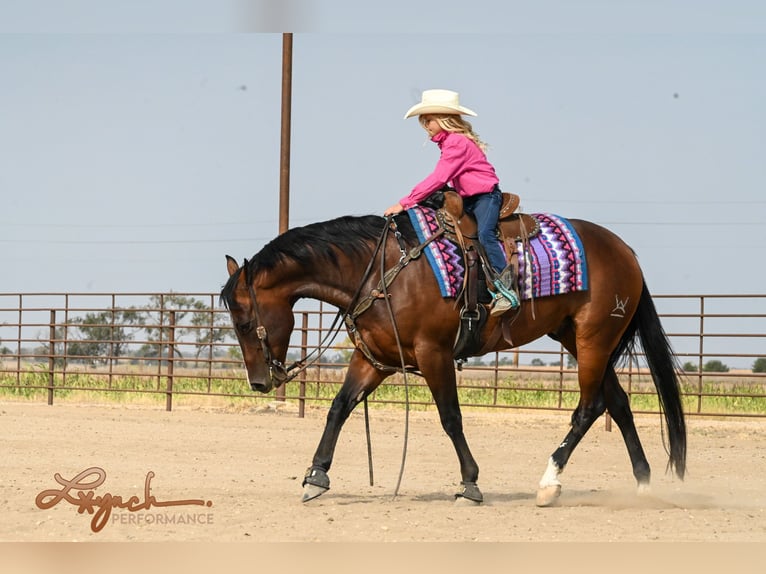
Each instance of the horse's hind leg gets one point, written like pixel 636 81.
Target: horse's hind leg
pixel 361 379
pixel 584 416
pixel 618 405
pixel 591 367
pixel 595 398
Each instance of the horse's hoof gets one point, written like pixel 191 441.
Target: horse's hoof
pixel 471 495
pixel 315 483
pixel 461 501
pixel 644 489
pixel 548 495
pixel 312 491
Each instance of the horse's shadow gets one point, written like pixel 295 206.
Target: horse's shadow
pixel 342 499
pixel 613 499
pixel 490 498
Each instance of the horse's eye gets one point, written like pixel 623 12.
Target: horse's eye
pixel 245 328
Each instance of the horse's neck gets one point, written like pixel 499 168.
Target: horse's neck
pixel 323 283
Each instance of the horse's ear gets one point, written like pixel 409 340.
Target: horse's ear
pixel 231 265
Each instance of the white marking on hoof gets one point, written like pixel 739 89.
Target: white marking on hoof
pixel 463 501
pixel 311 491
pixel 549 489
pixel 548 496
pixel 644 489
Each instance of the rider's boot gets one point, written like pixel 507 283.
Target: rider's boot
pixel 505 295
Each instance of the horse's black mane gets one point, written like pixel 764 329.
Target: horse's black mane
pixel 319 243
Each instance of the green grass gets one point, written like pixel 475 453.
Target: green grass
pixel 522 391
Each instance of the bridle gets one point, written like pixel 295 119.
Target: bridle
pixel 277 370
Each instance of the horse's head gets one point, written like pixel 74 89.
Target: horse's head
pixel 263 320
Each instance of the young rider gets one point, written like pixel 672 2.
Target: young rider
pixel 463 164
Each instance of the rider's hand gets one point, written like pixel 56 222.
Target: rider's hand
pixel 393 210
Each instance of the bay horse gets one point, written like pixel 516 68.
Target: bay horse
pixel 341 262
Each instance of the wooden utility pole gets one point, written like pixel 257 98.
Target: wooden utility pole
pixel 284 171
pixel 284 152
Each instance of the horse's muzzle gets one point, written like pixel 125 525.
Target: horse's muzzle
pixel 260 387
pixel 275 380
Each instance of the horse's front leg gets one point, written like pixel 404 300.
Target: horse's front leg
pixel 439 372
pixel 361 380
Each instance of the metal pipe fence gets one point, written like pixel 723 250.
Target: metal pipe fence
pixel 172 346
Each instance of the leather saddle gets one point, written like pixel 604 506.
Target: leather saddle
pixel 513 227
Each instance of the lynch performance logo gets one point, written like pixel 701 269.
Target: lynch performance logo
pixel 80 492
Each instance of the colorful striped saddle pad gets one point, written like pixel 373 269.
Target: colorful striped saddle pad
pixel 552 262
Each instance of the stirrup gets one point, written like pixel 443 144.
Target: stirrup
pixel 507 293
pixel 500 305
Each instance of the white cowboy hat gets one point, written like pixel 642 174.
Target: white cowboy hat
pixel 438 102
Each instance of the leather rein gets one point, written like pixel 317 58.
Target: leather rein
pixel 381 290
pixel 283 374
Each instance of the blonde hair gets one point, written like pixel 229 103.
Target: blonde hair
pixel 455 124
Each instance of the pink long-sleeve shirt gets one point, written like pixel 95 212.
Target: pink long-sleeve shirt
pixel 461 164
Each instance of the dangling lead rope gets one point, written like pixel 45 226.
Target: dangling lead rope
pixel 369 441
pixel 384 289
pixel 404 370
pixel 354 302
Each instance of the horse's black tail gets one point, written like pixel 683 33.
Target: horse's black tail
pixel 663 367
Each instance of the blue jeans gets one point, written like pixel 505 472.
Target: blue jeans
pixel 485 207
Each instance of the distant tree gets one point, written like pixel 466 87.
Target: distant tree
pixel 715 366
pixel 689 367
pixel 571 362
pixel 537 362
pixel 104 334
pixel 208 328
pixel 146 351
pixel 759 366
pixel 157 320
pixel 44 351
pixel 344 350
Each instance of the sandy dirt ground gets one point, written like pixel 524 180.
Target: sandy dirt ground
pixel 236 476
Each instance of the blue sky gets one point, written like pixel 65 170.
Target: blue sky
pixel 140 144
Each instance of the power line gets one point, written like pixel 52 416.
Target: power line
pixel 135 226
pixel 681 223
pixel 686 203
pixel 129 241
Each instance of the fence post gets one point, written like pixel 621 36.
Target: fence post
pixel 302 378
pixel 51 356
pixel 20 322
pixel 496 376
pixel 701 353
pixel 112 359
pixel 171 358
pixel 212 343
pixel 64 347
pixel 561 376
